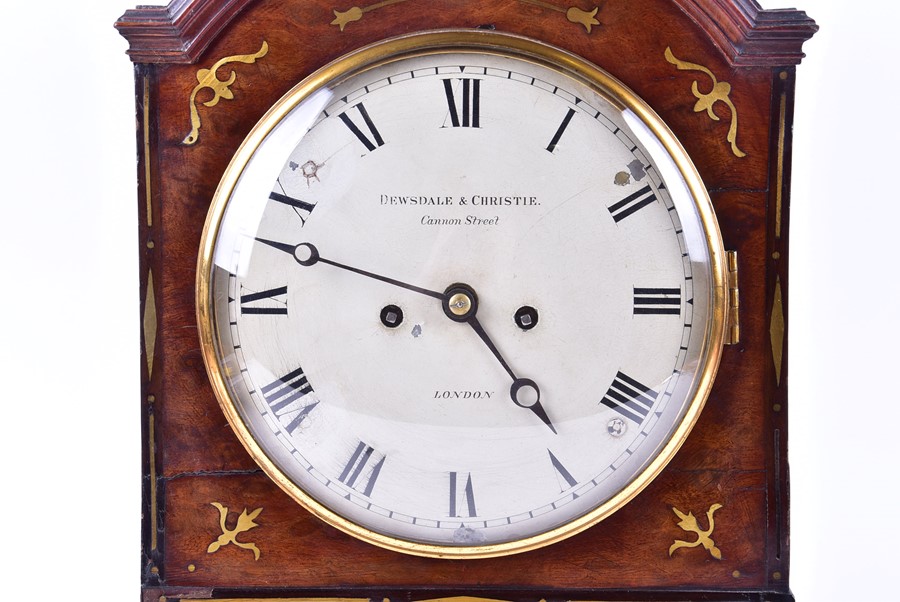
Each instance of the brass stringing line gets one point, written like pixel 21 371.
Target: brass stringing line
pixel 779 172
pixel 153 501
pixel 147 187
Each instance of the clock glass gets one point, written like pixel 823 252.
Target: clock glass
pixel 461 294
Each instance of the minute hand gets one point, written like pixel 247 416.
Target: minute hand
pixel 306 254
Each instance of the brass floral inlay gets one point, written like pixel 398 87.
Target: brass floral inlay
pixel 244 524
pixel 689 523
pixel 706 101
pixel 208 78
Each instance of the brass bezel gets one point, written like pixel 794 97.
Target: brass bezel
pixel 474 41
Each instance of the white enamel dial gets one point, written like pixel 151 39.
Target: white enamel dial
pixel 461 300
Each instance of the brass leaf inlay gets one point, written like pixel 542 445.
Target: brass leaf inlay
pixel 355 13
pixel 244 523
pixel 706 101
pixel 150 324
pixel 776 331
pixel 689 523
pixel 208 78
pixel 586 18
pixel 582 17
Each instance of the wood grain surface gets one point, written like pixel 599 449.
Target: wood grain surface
pixel 735 455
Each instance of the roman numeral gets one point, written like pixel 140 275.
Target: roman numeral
pixel 629 398
pixel 249 302
pixel 657 301
pixel 462 499
pixel 471 103
pixel 301 208
pixel 562 472
pixel 352 475
pixel 632 203
pixel 373 131
pixel 283 392
pixel 559 131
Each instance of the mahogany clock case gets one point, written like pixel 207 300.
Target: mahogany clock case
pixel 720 73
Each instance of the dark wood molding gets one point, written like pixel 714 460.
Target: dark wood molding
pixel 177 33
pixel 749 36
pixel 746 34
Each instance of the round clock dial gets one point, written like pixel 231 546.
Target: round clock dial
pixel 461 294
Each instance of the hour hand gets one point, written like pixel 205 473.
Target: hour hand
pixel 306 254
pixel 461 305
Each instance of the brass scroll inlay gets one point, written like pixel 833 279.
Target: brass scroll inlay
pixel 244 524
pixel 706 102
pixel 208 78
pixel 689 523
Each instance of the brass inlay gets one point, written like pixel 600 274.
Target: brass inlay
pixel 342 18
pixel 779 169
pixel 208 78
pixel 776 330
pixel 150 324
pixel 719 92
pixel 573 13
pixel 464 599
pixel 151 444
pixel 689 523
pixel 733 326
pixel 244 523
pixel 296 600
pixel 459 304
pixel 472 40
pixel 147 186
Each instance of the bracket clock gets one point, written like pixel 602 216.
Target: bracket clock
pixel 464 299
